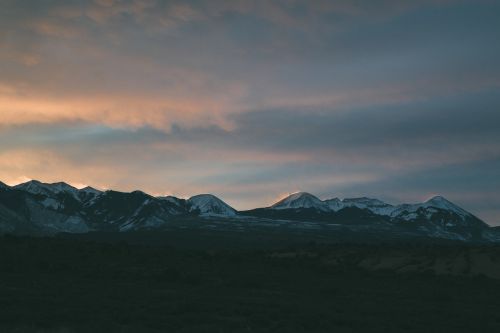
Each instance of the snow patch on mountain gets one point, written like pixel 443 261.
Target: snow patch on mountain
pixel 374 205
pixel 52 203
pixel 334 204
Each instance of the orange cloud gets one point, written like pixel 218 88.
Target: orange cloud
pixel 114 111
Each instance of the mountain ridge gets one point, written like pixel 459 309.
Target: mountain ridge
pixel 40 208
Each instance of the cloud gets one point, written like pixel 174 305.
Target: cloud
pixel 123 70
pixel 253 99
pixel 400 153
pixel 105 3
pixel 114 111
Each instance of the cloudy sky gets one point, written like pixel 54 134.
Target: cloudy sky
pixel 251 100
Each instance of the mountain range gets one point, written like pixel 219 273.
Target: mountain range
pixel 38 208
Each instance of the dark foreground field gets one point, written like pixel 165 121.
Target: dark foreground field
pixel 79 284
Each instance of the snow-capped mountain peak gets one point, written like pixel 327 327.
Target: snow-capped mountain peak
pixel 210 205
pixel 36 187
pixel 60 207
pixel 301 200
pixel 90 190
pixel 442 203
pixel 32 186
pixel 433 209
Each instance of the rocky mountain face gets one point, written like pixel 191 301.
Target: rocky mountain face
pixel 436 217
pixel 40 208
